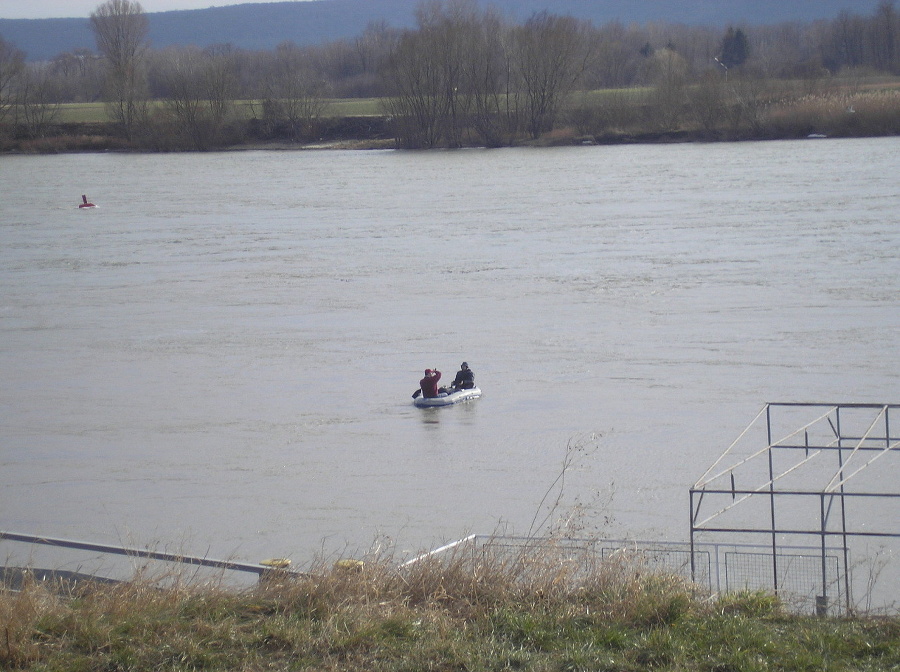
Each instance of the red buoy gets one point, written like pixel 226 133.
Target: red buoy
pixel 85 203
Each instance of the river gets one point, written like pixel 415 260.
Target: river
pixel 220 357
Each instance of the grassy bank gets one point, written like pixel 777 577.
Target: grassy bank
pixel 457 614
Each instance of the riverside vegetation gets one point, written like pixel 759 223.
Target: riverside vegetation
pixel 536 612
pixel 773 110
pixel 464 76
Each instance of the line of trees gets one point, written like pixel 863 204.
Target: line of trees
pixel 463 75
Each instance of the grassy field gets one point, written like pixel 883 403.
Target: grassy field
pixel 83 113
pixel 534 613
pixel 92 113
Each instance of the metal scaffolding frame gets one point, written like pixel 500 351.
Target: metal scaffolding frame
pixel 814 481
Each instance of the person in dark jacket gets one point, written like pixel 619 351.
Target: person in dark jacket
pixel 429 384
pixel 465 378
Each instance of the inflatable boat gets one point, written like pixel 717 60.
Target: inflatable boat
pixel 448 399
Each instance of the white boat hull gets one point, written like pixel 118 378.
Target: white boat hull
pixel 448 399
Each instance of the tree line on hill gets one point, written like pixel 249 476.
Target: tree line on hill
pixel 463 75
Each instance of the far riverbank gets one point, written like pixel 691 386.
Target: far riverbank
pixel 375 133
pixel 612 120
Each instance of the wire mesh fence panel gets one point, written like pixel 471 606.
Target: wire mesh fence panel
pixel 799 577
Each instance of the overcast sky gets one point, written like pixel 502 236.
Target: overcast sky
pixel 51 9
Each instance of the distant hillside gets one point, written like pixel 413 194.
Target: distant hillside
pixel 263 26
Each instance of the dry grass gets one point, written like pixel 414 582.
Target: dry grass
pixel 547 609
pixel 863 113
pixel 60 144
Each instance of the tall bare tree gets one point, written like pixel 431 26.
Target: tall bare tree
pixel 412 82
pixel 295 91
pixel 185 100
pixel 452 31
pixel 845 45
pixel 444 78
pixel 550 54
pixel 484 77
pixel 121 29
pixel 372 49
pixel 220 81
pixel 886 37
pixel 12 61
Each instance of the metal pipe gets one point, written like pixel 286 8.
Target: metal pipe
pixel 772 500
pixel 134 552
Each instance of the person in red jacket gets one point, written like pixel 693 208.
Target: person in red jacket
pixel 429 383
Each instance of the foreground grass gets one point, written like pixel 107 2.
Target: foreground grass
pixel 451 615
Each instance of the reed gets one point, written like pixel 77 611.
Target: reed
pixel 861 113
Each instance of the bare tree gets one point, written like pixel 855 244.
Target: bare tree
pixel 37 99
pixel 12 61
pixel 467 42
pixel 294 92
pixel 372 49
pixel 120 29
pixel 845 44
pixel 199 90
pixel 550 54
pixel 180 76
pixel 421 82
pixel 220 83
pixel 616 56
pixel 412 82
pixel 745 102
pixel 666 71
pixel 484 77
pixel 81 75
pixel 445 80
pixel 886 37
pixel 707 101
